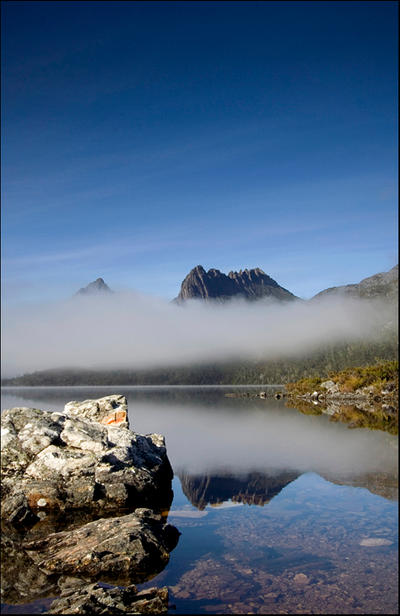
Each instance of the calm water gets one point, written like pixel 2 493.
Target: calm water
pixel 274 507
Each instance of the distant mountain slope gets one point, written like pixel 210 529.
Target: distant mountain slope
pixel 214 285
pixel 95 287
pixel 385 284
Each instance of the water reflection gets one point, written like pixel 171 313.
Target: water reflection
pixel 210 434
pixel 252 489
pixel 305 551
pixel 274 506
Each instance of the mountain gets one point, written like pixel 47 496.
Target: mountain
pixel 94 288
pixel 385 285
pixel 214 285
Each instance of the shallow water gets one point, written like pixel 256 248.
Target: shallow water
pixel 279 512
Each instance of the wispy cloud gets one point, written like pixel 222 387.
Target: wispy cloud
pixel 117 246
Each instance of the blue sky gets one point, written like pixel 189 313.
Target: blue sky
pixel 143 138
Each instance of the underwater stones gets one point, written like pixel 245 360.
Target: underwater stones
pixel 301 578
pixel 78 597
pixel 373 542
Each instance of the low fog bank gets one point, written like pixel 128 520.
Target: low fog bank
pixel 127 330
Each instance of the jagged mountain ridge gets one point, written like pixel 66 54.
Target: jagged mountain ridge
pixel 384 284
pixel 254 284
pixel 214 285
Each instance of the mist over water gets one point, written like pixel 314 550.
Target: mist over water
pixel 127 330
pixel 272 438
pixel 206 432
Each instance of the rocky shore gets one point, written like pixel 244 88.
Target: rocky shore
pixel 83 507
pixel 361 397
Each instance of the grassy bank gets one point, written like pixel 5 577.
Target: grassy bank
pixel 378 379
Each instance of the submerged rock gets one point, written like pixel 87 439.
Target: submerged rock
pixel 21 580
pixel 55 461
pixel 121 550
pixel 372 542
pixel 78 597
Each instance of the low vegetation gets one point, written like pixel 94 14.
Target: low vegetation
pixel 374 404
pixel 378 377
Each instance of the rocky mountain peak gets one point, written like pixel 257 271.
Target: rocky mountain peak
pixel 215 285
pixel 95 287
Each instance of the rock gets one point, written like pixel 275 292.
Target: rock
pixel 263 394
pixel 21 580
pixel 88 463
pixel 24 581
pixel 331 409
pixel 388 409
pixel 330 386
pixel 108 410
pixel 55 461
pixel 120 550
pixel 78 597
pixel 301 578
pixel 389 388
pixel 368 390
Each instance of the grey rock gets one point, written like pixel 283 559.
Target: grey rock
pixel 389 410
pixel 71 461
pixel 21 580
pixel 100 409
pixel 118 550
pixel 78 597
pixel 330 386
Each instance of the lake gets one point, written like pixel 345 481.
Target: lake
pixel 280 512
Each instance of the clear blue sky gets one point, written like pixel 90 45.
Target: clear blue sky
pixel 143 138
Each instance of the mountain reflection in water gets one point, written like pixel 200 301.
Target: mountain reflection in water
pixel 258 488
pixel 252 489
